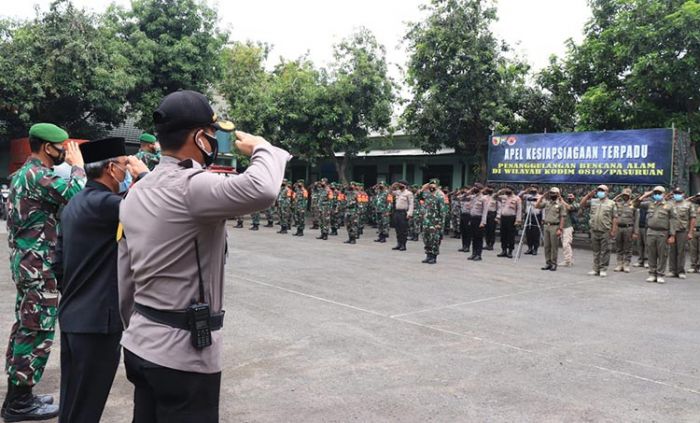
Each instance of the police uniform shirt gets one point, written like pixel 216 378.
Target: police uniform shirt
pixel 162 216
pixel 480 207
pixel 404 201
pixel 511 205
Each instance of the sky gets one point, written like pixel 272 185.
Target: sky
pixel 535 28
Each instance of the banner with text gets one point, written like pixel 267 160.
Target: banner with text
pixel 635 157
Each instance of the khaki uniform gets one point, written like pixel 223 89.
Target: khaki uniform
pixel 661 223
pixel 695 246
pixel 685 213
pixel 552 221
pixel 627 226
pixel 603 212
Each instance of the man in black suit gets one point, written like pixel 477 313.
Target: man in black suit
pixel 88 312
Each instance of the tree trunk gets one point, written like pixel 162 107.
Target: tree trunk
pixel 340 168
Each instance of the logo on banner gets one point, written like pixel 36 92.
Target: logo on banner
pixel 510 140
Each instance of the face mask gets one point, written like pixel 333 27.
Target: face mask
pixel 657 197
pixel 209 158
pixel 125 183
pixel 678 197
pixel 600 194
pixel 60 158
pixel 432 189
pixel 553 196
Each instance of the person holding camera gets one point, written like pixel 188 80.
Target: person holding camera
pixel 171 259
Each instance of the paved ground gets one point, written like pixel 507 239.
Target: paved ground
pixel 322 331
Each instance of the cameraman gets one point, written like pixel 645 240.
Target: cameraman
pixel 171 259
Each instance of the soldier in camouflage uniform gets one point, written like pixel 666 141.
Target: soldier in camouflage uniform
pixel 325 205
pixel 433 219
pixel 149 153
pixel 363 206
pixel 301 200
pixel 35 197
pixel 455 212
pixel 336 206
pixel 284 206
pixel 383 204
pixel 352 213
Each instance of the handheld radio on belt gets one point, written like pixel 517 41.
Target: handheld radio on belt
pixel 199 313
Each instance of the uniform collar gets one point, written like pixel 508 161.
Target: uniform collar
pixel 174 161
pixel 97 185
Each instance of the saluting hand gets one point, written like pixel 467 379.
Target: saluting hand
pixel 246 143
pixel 73 155
pixel 135 166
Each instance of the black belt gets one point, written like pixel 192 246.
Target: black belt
pixel 551 224
pixel 623 225
pixel 401 210
pixel 176 319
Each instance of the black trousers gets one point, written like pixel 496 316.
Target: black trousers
pixel 508 233
pixel 532 232
pixel 163 395
pixel 88 365
pixel 465 229
pixel 401 225
pixel 477 236
pixel 490 233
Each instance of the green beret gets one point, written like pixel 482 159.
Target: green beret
pixel 48 132
pixel 300 181
pixel 147 138
pixel 435 181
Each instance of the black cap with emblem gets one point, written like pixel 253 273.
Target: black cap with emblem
pixel 185 109
pixel 102 149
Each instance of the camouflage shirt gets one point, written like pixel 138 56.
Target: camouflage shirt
pixel 433 207
pixel 36 193
pixel 148 158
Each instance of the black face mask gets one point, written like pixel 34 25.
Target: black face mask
pixel 209 158
pixel 61 155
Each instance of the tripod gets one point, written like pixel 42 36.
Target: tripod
pixel 528 219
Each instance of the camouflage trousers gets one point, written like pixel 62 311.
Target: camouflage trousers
pixel 432 237
pixel 315 215
pixel 32 334
pixel 352 223
pixel 455 222
pixel 255 218
pixel 299 218
pixel 285 213
pixel 324 220
pixel 383 220
pixel 270 214
pixel 335 219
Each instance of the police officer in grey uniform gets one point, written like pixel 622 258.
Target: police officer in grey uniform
pixel 171 259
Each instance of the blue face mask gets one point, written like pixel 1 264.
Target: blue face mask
pixel 600 194
pixel 678 197
pixel 126 182
pixel 657 197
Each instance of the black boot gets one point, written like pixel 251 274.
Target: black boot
pixel 283 230
pixel 510 253
pixel 472 257
pixel 427 258
pixel 488 247
pixel 547 267
pixel 334 231
pixel 301 232
pixel 270 224
pixel 398 247
pixel 239 225
pixel 21 405
pixel 402 247
pixel 323 237
pixel 502 254
pixel 255 227
pixel 554 268
pixel 477 258
pixel 529 251
pixel 534 252
pixel 351 240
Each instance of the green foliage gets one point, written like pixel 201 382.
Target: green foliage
pixel 64 67
pixel 636 68
pixel 313 112
pixel 463 84
pixel 171 45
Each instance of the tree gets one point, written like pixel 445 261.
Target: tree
pixel 62 67
pixel 637 66
pixel 313 112
pixel 172 44
pixel 460 78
